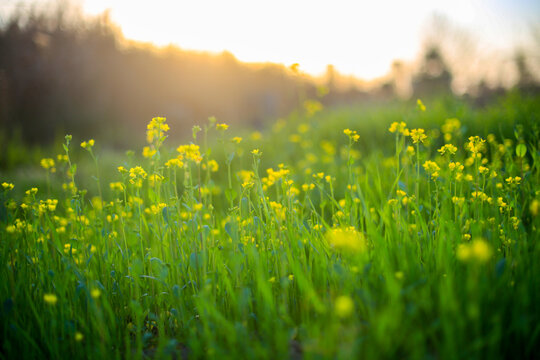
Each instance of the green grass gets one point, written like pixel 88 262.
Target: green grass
pixel 350 249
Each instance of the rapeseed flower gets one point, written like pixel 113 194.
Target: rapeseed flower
pixel 400 127
pixel 222 127
pixel 478 251
pixel 344 307
pixel 418 136
pixel 347 239
pixel 88 145
pixel 447 149
pixel 50 299
pixel 7 186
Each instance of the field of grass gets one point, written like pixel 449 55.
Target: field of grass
pixel 402 232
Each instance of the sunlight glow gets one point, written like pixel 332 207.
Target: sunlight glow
pixel 359 37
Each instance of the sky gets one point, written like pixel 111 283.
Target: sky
pixel 360 38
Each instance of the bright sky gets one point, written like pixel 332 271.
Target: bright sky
pixel 359 37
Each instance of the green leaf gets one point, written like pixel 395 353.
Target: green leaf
pixel 521 150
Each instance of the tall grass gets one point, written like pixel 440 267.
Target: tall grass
pixel 363 243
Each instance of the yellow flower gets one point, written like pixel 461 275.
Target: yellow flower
pixel 212 165
pixel 236 139
pixel 351 134
pixel 475 144
pixel 420 105
pixel 155 179
pixel 417 135
pixel 450 126
pixel 95 293
pixel 400 127
pixel 222 127
pixel 48 164
pixel 447 149
pixel 348 239
pixel 148 152
pixel 344 307
pixel 7 186
pixel 175 162
pixel 88 144
pixel 190 152
pixel 197 207
pixel 483 170
pixel 312 107
pixel 116 186
pixel 431 168
pixel 137 171
pixel 33 191
pixel 534 207
pixel 155 130
pixel 256 135
pixel 478 251
pixel 50 299
pixel 513 180
pixel 256 152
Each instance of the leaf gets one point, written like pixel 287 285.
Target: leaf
pixel 521 150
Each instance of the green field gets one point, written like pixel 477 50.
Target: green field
pixel 402 231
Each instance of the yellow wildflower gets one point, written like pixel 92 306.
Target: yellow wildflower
pixel 348 239
pixel 50 299
pixel 418 136
pixel 478 251
pixel 95 293
pixel 88 144
pixel 48 164
pixel 344 307
pixel 155 130
pixel 420 105
pixel 7 186
pixel 222 127
pixel 400 127
pixel 447 149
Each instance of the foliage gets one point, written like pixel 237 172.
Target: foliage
pixel 323 237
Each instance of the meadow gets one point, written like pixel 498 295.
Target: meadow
pixel 406 231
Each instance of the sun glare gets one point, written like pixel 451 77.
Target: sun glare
pixel 359 38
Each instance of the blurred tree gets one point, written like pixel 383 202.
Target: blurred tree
pixel 434 77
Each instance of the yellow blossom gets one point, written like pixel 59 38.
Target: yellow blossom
pixel 431 168
pixel 475 144
pixel 347 239
pixel 190 152
pixel 48 164
pixel 148 152
pixel 420 105
pixel 95 293
pixel 156 131
pixel 88 144
pixel 222 127
pixel 50 299
pixel 400 127
pixel 175 162
pixel 7 186
pixel 418 136
pixel 447 149
pixel 344 307
pixel 478 251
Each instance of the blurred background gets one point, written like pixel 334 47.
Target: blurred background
pixel 103 69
